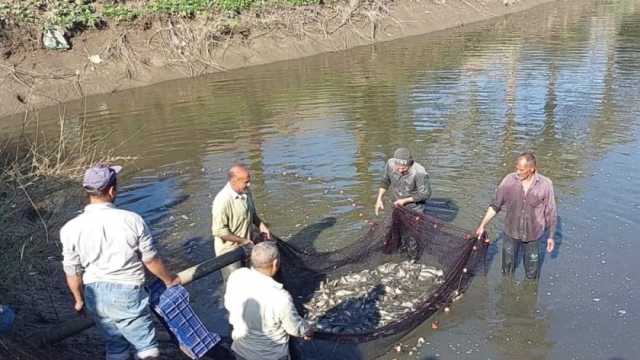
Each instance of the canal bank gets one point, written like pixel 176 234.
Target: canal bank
pixel 130 56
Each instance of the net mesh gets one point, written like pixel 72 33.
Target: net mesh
pixel 405 235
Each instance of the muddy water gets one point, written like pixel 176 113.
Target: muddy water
pixel 562 80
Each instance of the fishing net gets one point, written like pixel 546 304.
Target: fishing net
pixel 406 236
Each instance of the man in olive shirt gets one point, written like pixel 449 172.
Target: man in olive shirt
pixel 408 180
pixel 530 206
pixel 234 216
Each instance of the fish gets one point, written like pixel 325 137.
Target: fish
pixel 360 302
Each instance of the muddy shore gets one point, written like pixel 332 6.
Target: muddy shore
pixel 132 56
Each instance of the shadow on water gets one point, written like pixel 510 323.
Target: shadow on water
pixel 154 202
pixel 523 322
pixel 558 240
pixel 304 238
pixel 442 208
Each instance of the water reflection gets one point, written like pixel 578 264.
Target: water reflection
pixel 316 133
pixel 522 330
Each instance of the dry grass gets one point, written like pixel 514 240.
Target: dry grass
pixel 120 49
pixel 38 192
pixel 199 45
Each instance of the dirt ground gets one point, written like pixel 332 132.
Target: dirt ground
pixel 145 53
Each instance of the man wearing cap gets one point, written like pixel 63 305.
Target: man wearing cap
pixel 408 180
pixel 234 217
pixel 105 251
pixel 261 312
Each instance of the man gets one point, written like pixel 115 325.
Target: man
pixel 234 216
pixel 530 207
pixel 408 181
pixel 260 310
pixel 105 251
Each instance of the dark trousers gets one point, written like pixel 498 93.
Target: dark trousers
pixel 531 256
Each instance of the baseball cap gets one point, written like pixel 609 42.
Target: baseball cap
pixel 100 176
pixel 402 156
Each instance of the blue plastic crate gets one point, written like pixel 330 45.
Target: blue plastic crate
pixel 173 306
pixel 7 316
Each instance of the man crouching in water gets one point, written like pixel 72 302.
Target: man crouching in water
pixel 408 180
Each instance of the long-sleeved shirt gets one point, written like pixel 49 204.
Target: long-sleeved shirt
pixel 108 244
pixel 232 214
pixel 414 183
pixel 527 216
pixel 262 315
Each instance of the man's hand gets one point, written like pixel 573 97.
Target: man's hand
pixel 79 307
pixel 264 231
pixel 309 334
pixel 485 220
pixel 482 235
pixel 176 281
pixel 550 245
pixel 379 206
pixel 401 202
pixel 156 266
pixel 76 286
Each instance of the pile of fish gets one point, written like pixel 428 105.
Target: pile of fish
pixel 364 301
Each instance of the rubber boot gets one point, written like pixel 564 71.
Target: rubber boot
pixel 531 259
pixel 509 255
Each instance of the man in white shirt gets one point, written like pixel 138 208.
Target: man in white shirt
pixel 105 251
pixel 260 310
pixel 234 216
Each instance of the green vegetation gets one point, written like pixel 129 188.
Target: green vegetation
pixel 75 15
pixel 121 13
pixel 69 15
pixel 234 5
pixel 304 2
pixel 183 8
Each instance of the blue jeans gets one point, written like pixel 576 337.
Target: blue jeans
pixel 122 314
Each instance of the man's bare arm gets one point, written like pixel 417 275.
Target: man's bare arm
pixel 485 221
pixel 157 268
pixel 379 204
pixel 75 285
pixel 235 239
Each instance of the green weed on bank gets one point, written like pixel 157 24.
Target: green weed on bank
pixel 46 13
pixel 73 15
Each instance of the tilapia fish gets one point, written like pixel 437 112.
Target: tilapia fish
pixel 363 301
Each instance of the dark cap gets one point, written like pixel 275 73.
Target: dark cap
pixel 402 156
pixel 99 177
